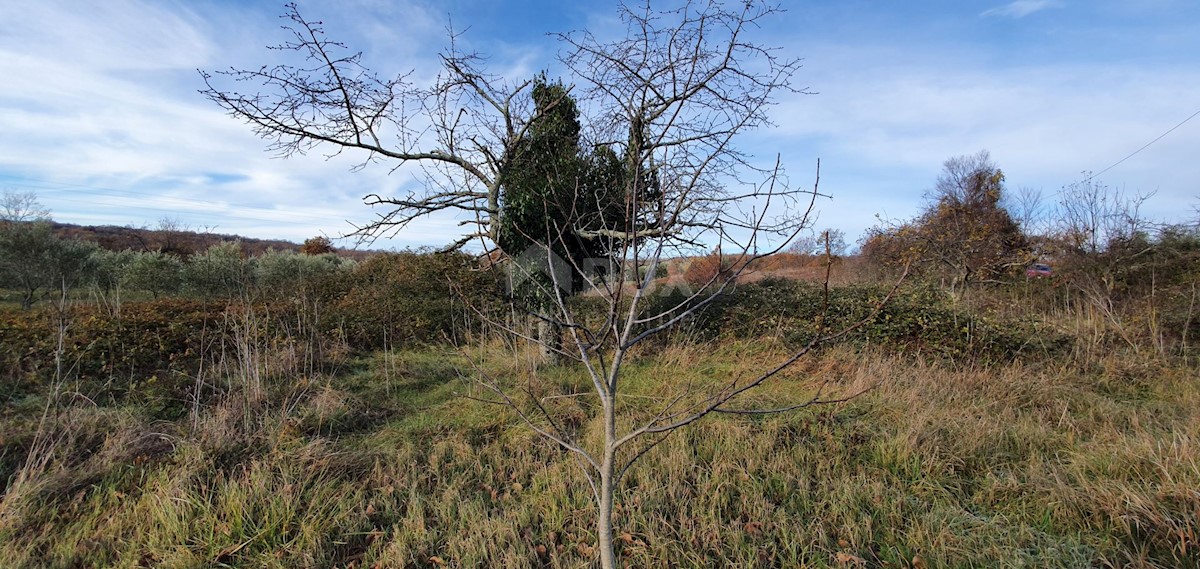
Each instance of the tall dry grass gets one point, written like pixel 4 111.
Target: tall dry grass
pixel 1047 465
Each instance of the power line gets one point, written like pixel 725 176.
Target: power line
pixel 1135 152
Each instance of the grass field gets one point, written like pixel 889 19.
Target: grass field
pixel 377 460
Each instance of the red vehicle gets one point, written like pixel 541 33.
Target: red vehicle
pixel 1038 270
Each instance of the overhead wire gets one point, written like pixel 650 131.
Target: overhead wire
pixel 1139 150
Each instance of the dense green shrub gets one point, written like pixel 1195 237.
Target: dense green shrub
pixel 154 272
pixel 916 319
pixel 397 298
pixel 222 271
pixel 292 273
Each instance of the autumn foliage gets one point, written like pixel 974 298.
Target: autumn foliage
pixel 318 245
pixel 711 268
pixel 964 236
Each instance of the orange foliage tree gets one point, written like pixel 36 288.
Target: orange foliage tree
pixel 964 235
pixel 318 245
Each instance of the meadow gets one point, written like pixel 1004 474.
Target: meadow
pixel 1003 430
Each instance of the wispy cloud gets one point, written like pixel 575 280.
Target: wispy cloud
pixel 883 129
pixel 101 115
pixel 102 119
pixel 1020 8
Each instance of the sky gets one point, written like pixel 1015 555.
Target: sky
pixel 100 113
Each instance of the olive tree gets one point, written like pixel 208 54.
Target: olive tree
pixel 155 272
pixel 35 261
pixel 222 271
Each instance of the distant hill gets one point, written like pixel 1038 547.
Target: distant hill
pixel 179 242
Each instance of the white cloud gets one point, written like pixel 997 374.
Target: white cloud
pixel 100 96
pixel 1020 8
pixel 102 118
pixel 883 126
pixel 112 35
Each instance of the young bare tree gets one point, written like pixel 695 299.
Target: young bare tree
pixel 602 345
pixel 653 167
pixel 1101 234
pixel 672 95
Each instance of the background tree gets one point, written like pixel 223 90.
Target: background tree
pixel 828 241
pixel 285 272
pixel 221 271
pixel 108 270
pixel 21 206
pixel 34 261
pixel 155 272
pixel 964 236
pixel 318 245
pixel 556 196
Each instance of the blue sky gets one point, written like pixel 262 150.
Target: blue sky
pixel 100 115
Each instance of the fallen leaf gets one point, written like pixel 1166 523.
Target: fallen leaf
pixel 844 558
pixel 919 563
pixel 437 560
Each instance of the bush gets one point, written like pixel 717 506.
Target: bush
pixel 154 272
pixel 287 272
pixel 145 339
pixel 712 266
pixel 220 272
pixel 397 298
pixel 917 319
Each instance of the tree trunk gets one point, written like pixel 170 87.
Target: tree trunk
pixel 604 525
pixel 549 335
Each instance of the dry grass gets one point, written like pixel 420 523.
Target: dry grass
pixel 1087 462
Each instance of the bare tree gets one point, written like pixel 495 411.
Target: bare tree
pixel 666 102
pixel 22 206
pixel 672 95
pixel 1092 215
pixel 1027 206
pixel 1101 234
pixel 458 129
pixel 831 242
pixel 601 346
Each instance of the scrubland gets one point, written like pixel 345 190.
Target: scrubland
pixel 1002 430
